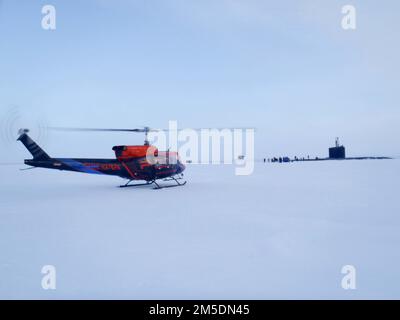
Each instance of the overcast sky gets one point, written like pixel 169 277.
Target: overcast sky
pixel 285 67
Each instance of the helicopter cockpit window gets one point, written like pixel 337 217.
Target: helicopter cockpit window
pixel 164 158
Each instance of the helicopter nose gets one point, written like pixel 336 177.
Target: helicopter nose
pixel 181 167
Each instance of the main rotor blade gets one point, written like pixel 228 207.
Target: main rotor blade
pixel 97 129
pixel 200 129
pixel 145 129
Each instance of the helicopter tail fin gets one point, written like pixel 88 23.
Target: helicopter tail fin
pixel 37 152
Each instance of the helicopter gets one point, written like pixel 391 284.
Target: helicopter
pixel 134 163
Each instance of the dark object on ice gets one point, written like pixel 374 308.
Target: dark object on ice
pixel 338 151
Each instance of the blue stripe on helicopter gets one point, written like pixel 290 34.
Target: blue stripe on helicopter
pixel 79 166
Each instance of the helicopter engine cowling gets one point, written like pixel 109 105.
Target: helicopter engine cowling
pixel 131 152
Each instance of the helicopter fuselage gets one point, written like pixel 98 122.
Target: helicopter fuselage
pixel 132 169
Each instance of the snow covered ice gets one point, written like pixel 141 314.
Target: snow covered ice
pixel 283 232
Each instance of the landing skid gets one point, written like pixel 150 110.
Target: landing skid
pixel 156 185
pixel 178 184
pixel 135 185
pixel 180 177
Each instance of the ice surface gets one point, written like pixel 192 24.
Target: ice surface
pixel 283 232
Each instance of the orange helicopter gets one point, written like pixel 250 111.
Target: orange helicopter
pixel 134 163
